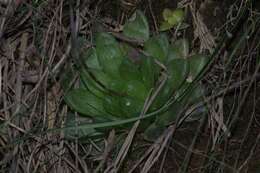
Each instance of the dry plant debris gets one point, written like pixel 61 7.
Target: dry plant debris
pixel 35 50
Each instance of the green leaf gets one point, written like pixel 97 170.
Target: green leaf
pixel 125 48
pixel 91 59
pixel 182 46
pixel 104 39
pixel 171 18
pixel 177 72
pixel 157 47
pixel 173 53
pixel 164 26
pixel 131 106
pixel 176 17
pixel 149 71
pixel 86 103
pixel 163 96
pixel 131 53
pixel 137 27
pixel 196 94
pixel 196 64
pixel 112 105
pixel 171 115
pixel 110 58
pixel 109 54
pixel 180 49
pixel 91 84
pixel 117 86
pixel 136 89
pixel 114 84
pixel 101 77
pixel 191 96
pixel 167 13
pixel 129 70
pixel 181 91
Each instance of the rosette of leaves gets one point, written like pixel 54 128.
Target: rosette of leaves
pixel 115 85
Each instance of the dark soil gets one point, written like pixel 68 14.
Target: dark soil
pixel 47 24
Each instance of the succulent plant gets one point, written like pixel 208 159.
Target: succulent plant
pixel 115 87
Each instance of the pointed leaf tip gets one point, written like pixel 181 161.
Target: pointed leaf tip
pixel 137 27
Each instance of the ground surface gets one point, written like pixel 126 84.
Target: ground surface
pixel 35 49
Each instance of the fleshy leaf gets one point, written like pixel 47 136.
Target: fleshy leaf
pixel 189 96
pixel 112 105
pixel 109 54
pixel 125 48
pixel 86 103
pixel 129 71
pixel 104 39
pixel 110 58
pixel 136 89
pixel 148 70
pixel 171 115
pixel 100 77
pixel 192 97
pixel 177 72
pixel 163 96
pixel 182 46
pixel 157 47
pixel 196 64
pixel 130 52
pixel 137 27
pixel 117 86
pixel 91 59
pixel 180 49
pixel 114 84
pixel 131 106
pixel 91 84
pixel 195 95
pixel 173 53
